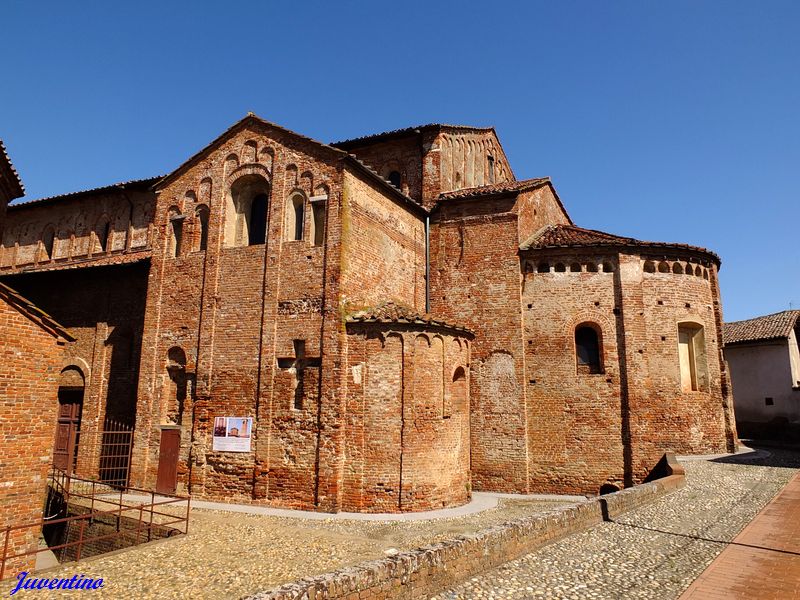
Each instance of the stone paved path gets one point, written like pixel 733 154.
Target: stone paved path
pixel 231 555
pixel 763 563
pixel 652 553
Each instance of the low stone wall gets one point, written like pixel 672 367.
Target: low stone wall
pixel 424 572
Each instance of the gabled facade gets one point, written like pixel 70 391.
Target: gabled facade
pixel 380 324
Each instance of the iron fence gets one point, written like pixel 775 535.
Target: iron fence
pixel 104 454
pixel 106 518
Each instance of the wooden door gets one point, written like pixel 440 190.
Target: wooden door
pixel 167 478
pixel 65 452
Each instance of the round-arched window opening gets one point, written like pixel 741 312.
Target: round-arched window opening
pixel 395 178
pixel 588 351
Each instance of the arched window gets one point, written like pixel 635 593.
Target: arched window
pixel 649 267
pixel 48 241
pixel 692 357
pixel 395 178
pixel 246 211
pixel 543 267
pixel 202 214
pixel 296 214
pixel 588 349
pixel 177 388
pixel 561 268
pixel 575 267
pixel 257 223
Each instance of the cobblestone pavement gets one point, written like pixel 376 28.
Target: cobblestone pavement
pixel 231 555
pixel 654 552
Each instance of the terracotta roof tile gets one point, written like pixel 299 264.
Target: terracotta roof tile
pixel 34 313
pixel 375 137
pixel 570 236
pixel 495 189
pixel 392 312
pixel 9 173
pixel 83 263
pixel 769 327
pixel 135 183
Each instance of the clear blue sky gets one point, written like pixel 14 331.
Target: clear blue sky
pixel 668 121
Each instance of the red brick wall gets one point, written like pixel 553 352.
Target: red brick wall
pixel 384 249
pixel 103 308
pixel 30 362
pixel 403 155
pixel 538 208
pixel 235 312
pixel 574 418
pixel 404 417
pixel 578 420
pixel 475 281
pixel 75 222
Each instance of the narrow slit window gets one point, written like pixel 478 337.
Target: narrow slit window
pixel 257 225
pixel 296 215
pixel 318 215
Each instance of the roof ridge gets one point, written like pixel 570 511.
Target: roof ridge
pixel 554 237
pixel 145 180
pixel 391 311
pixel 20 191
pixel 34 313
pixel 250 116
pixel 407 130
pixel 766 327
pixel 775 314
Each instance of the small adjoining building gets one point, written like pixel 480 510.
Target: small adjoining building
pixel 763 355
pixel 32 346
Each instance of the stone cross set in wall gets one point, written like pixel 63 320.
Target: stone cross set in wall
pixel 297 366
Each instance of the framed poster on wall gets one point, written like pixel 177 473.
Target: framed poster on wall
pixel 232 434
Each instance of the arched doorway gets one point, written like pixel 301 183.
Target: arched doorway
pixel 70 405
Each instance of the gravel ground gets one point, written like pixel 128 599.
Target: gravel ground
pixel 651 553
pixel 232 554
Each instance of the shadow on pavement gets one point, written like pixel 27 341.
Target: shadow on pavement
pixel 772 454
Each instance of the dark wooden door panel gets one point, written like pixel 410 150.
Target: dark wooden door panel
pixel 65 448
pixel 167 478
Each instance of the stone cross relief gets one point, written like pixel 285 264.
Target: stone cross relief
pixel 297 366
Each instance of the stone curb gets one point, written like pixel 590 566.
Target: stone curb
pixel 428 570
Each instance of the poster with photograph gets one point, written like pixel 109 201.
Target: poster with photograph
pixel 232 434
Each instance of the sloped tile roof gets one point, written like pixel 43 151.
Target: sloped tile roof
pixel 133 183
pixel 34 313
pixel 376 137
pixel 98 260
pixel 570 236
pixel 9 174
pixel 495 189
pixel 392 312
pixel 768 327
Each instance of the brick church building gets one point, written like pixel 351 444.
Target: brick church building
pixel 379 324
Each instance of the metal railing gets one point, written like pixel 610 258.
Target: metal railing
pixel 114 518
pixel 104 453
